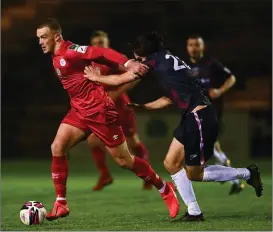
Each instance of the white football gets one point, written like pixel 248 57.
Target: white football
pixel 32 213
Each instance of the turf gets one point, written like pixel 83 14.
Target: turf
pixel 124 206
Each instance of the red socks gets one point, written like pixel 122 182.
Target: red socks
pixel 141 151
pixel 59 169
pixel 143 170
pixel 99 157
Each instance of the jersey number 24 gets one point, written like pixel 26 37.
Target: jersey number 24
pixel 176 66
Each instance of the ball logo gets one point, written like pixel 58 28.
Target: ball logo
pixel 62 62
pixel 23 217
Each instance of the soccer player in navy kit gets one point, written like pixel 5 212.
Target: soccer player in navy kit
pixel 197 131
pixel 217 79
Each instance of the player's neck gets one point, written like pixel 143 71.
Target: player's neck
pixel 57 46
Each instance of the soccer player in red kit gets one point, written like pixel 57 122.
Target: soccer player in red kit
pixel 126 118
pixel 92 110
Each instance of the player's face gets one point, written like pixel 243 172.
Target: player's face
pixel 100 41
pixel 47 39
pixel 195 47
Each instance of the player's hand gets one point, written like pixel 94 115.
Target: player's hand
pixel 137 67
pixel 91 73
pixel 214 93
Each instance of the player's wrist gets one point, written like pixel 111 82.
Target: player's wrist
pixel 221 90
pixel 128 62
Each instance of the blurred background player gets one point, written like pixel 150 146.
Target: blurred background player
pixel 217 79
pixel 127 119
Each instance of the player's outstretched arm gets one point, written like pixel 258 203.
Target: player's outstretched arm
pixel 104 56
pixel 157 104
pixel 114 80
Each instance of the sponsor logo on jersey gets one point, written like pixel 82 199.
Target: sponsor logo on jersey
pixel 62 62
pixel 74 47
pixel 205 80
pixel 195 71
pixel 82 49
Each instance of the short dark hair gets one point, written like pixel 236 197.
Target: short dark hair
pixel 147 43
pixel 52 24
pixel 195 36
pixel 99 33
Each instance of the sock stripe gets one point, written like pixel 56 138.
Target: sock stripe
pixel 202 158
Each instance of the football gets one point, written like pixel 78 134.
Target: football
pixel 32 213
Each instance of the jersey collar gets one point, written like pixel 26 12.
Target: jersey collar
pixel 63 45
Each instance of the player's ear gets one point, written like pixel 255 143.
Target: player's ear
pixel 57 37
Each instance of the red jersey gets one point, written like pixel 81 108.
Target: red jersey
pixel 69 61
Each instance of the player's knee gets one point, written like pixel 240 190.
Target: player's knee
pixel 122 163
pixel 171 167
pixel 57 149
pixel 194 175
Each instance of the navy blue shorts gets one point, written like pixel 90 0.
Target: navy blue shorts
pixel 198 133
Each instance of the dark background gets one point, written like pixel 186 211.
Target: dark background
pixel 33 102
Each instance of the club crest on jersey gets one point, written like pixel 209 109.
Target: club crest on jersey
pixel 62 62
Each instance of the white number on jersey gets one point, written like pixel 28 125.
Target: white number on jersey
pixel 175 64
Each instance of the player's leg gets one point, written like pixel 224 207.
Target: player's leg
pixel 236 185
pixel 128 123
pixel 174 165
pixel 99 156
pixel 143 170
pixel 199 148
pixel 139 150
pixel 70 132
pixel 137 147
pixel 110 132
pixel 219 173
pixel 219 154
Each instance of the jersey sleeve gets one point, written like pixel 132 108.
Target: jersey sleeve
pixel 96 54
pixel 221 71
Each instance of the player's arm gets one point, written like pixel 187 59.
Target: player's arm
pixel 114 80
pixel 157 104
pixel 228 80
pixel 114 94
pixel 104 56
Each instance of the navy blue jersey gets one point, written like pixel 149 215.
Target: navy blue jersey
pixel 180 86
pixel 211 72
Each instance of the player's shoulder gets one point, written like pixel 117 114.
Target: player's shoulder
pixel 218 65
pixel 212 60
pixel 74 48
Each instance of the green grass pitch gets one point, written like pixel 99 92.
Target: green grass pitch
pixel 124 205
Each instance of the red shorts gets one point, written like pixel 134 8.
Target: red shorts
pixel 126 116
pixel 104 124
